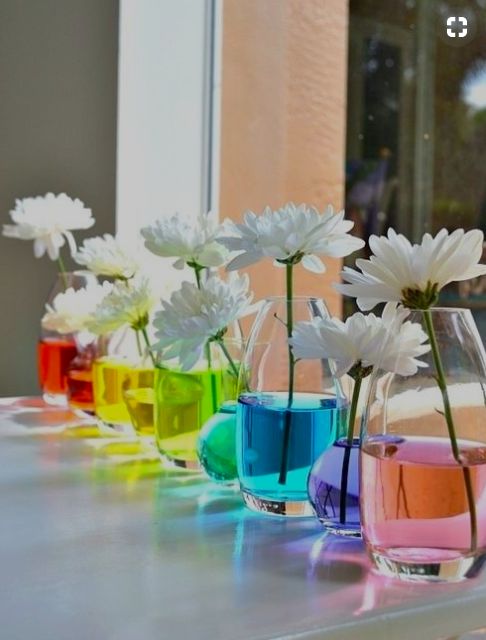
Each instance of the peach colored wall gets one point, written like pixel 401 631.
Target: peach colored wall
pixel 283 117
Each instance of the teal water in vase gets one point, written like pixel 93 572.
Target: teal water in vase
pixel 216 446
pixel 261 419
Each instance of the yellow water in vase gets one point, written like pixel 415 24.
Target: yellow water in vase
pixel 113 384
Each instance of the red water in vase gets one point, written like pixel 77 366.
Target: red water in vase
pixel 80 389
pixel 414 505
pixel 55 356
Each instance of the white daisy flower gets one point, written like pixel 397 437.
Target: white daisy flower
pixel 413 274
pixel 72 310
pixel 191 240
pixel 48 221
pixel 193 317
pixel 290 235
pixel 129 303
pixel 107 256
pixel 363 342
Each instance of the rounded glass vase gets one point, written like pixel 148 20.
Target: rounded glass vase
pixel 216 443
pixel 123 379
pixel 423 458
pixel 56 351
pixel 288 411
pixel 333 487
pixel 184 401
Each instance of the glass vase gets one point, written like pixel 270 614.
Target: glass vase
pixel 337 510
pixel 80 374
pixel 56 351
pixel 216 444
pixel 288 412
pixel 123 379
pixel 184 401
pixel 423 459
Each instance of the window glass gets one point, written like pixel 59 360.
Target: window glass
pixel 416 122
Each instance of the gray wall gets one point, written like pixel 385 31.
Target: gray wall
pixel 58 92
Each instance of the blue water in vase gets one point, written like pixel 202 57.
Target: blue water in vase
pixel 261 419
pixel 324 486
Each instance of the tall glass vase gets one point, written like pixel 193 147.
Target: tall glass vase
pixel 184 401
pixel 288 411
pixel 56 351
pixel 423 459
pixel 123 378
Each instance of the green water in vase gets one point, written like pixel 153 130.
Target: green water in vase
pixel 184 401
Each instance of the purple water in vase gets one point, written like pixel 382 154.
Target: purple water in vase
pixel 337 467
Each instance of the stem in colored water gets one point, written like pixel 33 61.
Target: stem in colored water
pixel 441 381
pixel 282 478
pixel 197 273
pixel 147 342
pixel 62 271
pixel 347 450
pixel 233 367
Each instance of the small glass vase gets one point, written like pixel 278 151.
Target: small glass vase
pixel 184 401
pixel 123 380
pixel 338 511
pixel 287 414
pixel 216 444
pixel 80 374
pixel 56 351
pixel 423 458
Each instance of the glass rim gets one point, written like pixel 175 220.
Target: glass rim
pixel 299 298
pixel 442 309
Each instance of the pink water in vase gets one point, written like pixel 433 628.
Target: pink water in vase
pixel 414 505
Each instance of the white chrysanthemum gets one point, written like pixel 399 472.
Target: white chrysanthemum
pixel 290 235
pixel 399 271
pixel 195 316
pixel 191 240
pixel 129 303
pixel 107 256
pixel 364 340
pixel 72 310
pixel 48 221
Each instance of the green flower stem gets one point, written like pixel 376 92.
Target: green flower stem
pixel 197 273
pixel 233 367
pixel 62 271
pixel 441 381
pixel 147 342
pixel 139 344
pixel 282 478
pixel 347 452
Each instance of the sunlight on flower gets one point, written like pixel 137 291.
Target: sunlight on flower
pixel 129 303
pixel 192 240
pixel 413 274
pixel 364 341
pixel 195 316
pixel 107 256
pixel 290 235
pixel 72 310
pixel 48 221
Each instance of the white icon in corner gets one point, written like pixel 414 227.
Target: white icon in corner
pixel 457 23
